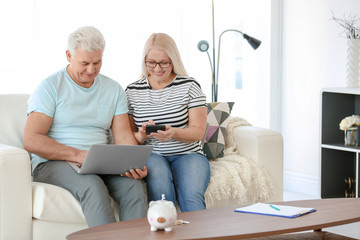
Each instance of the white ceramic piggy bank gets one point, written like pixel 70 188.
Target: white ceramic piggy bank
pixel 161 214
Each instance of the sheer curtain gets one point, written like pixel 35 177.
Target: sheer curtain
pixel 35 35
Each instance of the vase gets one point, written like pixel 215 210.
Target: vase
pixel 352 63
pixel 352 137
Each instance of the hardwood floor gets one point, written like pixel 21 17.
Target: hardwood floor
pixel 349 230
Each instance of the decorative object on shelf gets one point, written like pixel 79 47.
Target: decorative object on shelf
pixel 351 137
pixel 350 127
pixel 352 63
pixel 350 187
pixel 203 46
pixel 351 31
pixel 350 121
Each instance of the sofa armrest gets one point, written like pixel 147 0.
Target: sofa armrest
pixel 15 193
pixel 265 147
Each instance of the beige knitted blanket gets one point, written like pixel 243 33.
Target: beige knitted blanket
pixel 236 177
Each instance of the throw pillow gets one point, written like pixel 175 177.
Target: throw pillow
pixel 217 118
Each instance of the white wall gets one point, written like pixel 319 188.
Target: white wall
pixel 33 40
pixel 313 58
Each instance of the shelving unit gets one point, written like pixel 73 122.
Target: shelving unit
pixel 339 163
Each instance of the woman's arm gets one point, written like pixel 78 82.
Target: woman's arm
pixel 194 132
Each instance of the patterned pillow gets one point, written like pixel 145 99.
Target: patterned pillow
pixel 217 118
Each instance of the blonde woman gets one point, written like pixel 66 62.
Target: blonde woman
pixel 166 95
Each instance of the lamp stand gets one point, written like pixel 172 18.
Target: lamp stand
pixel 203 46
pixel 214 80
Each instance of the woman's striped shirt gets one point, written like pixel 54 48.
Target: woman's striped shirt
pixel 167 106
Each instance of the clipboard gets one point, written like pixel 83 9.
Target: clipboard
pixel 275 210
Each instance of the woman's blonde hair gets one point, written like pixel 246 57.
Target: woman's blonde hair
pixel 167 44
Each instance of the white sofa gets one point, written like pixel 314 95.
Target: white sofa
pixel 30 210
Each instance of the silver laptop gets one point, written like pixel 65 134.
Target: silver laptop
pixel 113 159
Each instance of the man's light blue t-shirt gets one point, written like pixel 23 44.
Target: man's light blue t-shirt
pixel 81 116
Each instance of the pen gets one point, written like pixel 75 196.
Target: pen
pixel 274 207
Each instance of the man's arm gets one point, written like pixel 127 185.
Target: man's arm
pixel 123 135
pixel 139 133
pixel 121 130
pixel 36 141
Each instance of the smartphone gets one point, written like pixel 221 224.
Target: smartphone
pixel 154 128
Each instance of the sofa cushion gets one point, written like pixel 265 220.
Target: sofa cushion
pixel 53 203
pixel 218 114
pixel 12 124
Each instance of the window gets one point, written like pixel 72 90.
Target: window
pixel 34 43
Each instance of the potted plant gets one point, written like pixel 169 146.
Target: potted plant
pixel 350 25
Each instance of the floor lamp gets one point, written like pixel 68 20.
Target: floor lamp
pixel 203 46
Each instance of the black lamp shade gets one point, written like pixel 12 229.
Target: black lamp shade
pixel 255 43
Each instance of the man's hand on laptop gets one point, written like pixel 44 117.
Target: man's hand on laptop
pixel 136 173
pixel 80 156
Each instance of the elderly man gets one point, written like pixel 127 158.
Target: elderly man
pixel 71 110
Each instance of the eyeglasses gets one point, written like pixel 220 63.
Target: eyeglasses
pixel 152 64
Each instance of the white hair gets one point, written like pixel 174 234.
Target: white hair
pixel 89 38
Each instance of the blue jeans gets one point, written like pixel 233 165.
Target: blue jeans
pixel 182 178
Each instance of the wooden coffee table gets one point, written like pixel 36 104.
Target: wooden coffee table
pixel 224 223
